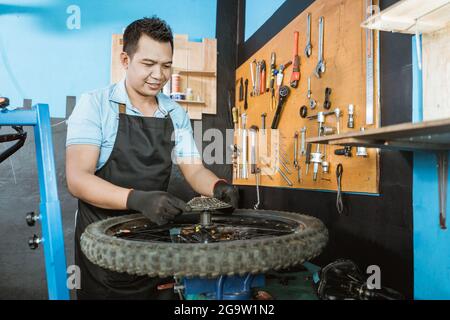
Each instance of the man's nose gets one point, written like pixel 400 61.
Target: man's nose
pixel 157 73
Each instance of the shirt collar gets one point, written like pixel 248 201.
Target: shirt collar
pixel 119 95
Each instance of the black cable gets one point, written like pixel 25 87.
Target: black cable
pixel 20 136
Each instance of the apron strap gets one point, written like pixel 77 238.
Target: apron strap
pixel 122 108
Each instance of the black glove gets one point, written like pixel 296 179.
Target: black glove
pixel 158 206
pixel 226 193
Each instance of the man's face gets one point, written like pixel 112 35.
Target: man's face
pixel 149 69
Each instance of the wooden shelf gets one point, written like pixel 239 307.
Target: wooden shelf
pixel 411 16
pixel 189 101
pixel 196 72
pixel 427 135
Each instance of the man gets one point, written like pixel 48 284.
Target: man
pixel 119 147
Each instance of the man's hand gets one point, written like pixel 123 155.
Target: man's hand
pixel 158 206
pixel 227 193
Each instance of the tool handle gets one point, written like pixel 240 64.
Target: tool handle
pixel 296 34
pixel 235 115
pixel 295 76
pixel 263 81
pixel 295 148
pixel 241 90
pixel 308 153
pixel 246 94
pixel 284 92
pixel 277 117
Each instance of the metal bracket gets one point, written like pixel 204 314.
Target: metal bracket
pixel 442 165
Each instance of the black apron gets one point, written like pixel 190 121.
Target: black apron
pixel 140 159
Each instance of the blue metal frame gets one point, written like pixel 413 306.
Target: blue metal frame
pixel 50 209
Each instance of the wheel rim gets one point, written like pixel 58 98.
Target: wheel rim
pixel 223 228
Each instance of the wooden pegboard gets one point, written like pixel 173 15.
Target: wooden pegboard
pixel 344 53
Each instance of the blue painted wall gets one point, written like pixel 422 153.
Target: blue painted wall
pixel 257 12
pixel 431 243
pixel 41 59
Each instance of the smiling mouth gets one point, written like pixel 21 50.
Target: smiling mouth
pixel 154 85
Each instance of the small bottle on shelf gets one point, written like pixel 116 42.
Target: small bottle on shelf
pixel 189 94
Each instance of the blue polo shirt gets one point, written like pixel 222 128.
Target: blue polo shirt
pixel 95 121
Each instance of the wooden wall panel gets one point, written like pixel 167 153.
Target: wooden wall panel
pixel 344 52
pixel 436 75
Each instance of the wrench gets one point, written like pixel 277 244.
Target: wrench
pixel 321 66
pixel 308 49
pixel 312 102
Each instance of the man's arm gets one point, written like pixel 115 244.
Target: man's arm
pixel 83 184
pixel 199 178
pixel 207 183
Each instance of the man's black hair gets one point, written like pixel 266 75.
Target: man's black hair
pixel 153 27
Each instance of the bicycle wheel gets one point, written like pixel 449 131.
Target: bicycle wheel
pixel 248 241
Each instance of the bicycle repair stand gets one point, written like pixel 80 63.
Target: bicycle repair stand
pixel 223 287
pixel 50 210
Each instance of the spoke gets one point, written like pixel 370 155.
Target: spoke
pixel 222 229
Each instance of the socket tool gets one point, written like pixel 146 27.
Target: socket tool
pixel 303 143
pixel 351 119
pixel 303 112
pixel 346 152
pixel 312 102
pixel 308 157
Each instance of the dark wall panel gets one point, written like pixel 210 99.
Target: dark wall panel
pixel 376 230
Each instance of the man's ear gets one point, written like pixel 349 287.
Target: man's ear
pixel 125 60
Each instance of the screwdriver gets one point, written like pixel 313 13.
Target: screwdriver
pixel 246 95
pixel 235 114
pixel 241 90
pixel 308 157
pixel 273 67
pixel 262 87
